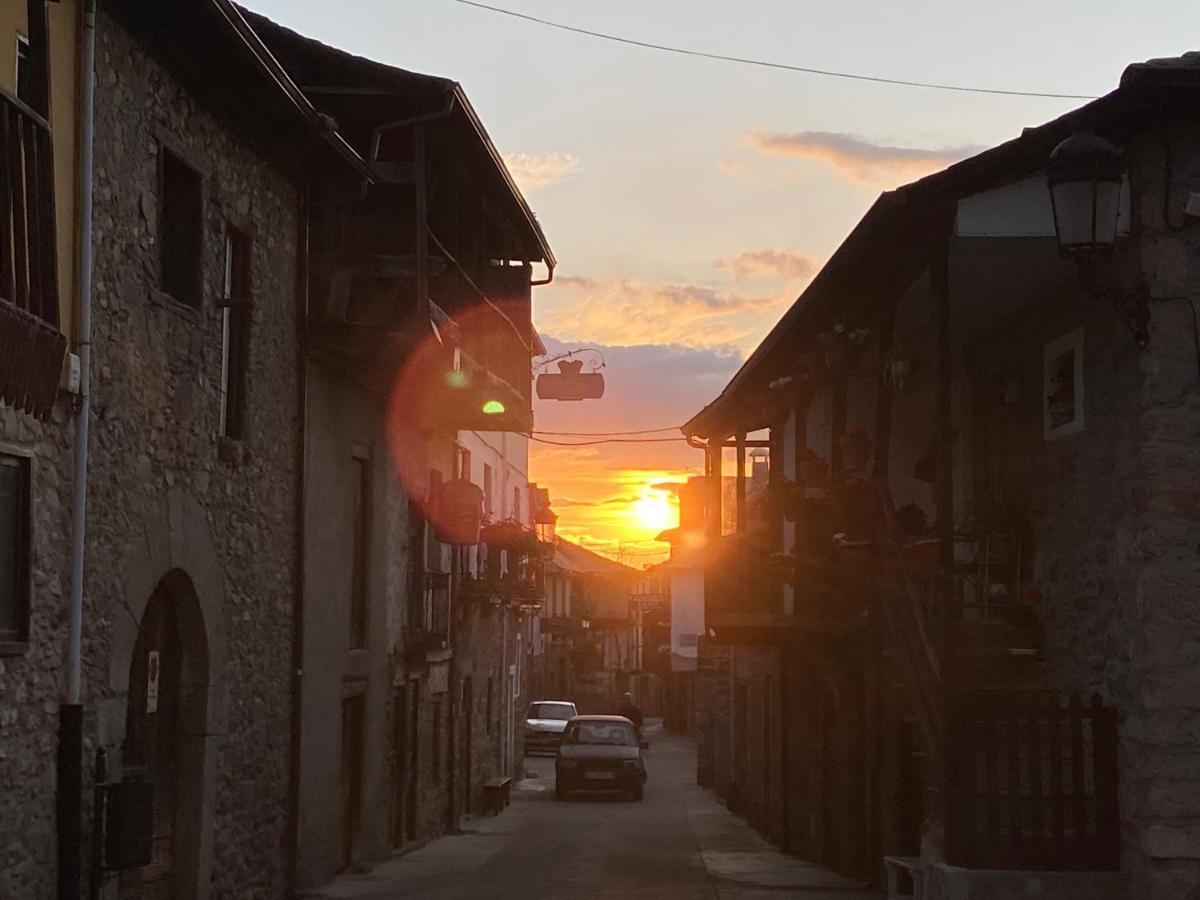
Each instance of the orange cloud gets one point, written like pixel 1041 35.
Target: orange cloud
pixel 770 264
pixel 628 312
pixel 859 159
pixel 537 170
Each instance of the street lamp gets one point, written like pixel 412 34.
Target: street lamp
pixel 1085 175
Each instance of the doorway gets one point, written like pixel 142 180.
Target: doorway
pixel 353 715
pixel 151 750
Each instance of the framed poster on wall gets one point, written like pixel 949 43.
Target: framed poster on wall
pixel 1062 386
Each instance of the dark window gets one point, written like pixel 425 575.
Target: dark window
pixel 487 489
pixel 516 507
pixel 491 692
pixel 464 464
pixel 180 229
pixel 361 559
pixel 14 548
pixel 435 756
pixel 235 360
pixel 24 71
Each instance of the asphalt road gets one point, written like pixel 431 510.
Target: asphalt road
pixel 676 843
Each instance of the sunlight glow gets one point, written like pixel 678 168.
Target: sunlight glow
pixel 654 511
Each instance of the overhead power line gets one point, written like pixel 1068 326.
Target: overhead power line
pixel 664 440
pixel 766 64
pixel 600 434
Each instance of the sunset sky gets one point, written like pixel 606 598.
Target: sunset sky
pixel 689 201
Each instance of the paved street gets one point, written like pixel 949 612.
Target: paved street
pixel 678 843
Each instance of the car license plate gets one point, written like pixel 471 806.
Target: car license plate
pixel 598 776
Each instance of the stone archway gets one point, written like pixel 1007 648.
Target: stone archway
pixel 176 559
pixel 165 735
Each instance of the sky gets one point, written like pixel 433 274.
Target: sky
pixel 690 201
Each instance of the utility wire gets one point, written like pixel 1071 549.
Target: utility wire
pixel 765 64
pixel 600 434
pixel 605 441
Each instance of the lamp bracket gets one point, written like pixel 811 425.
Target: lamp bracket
pixel 1133 306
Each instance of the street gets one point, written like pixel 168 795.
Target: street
pixel 679 842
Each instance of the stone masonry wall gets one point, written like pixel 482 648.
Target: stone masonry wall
pixel 156 434
pixel 1161 733
pixel 32 682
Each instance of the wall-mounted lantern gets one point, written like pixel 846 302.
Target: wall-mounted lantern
pixel 1085 175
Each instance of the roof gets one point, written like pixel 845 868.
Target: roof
pixel 599 718
pixel 269 108
pixel 890 243
pixel 572 558
pixel 349 86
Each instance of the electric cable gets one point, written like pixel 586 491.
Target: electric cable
pixel 602 434
pixel 605 441
pixel 766 64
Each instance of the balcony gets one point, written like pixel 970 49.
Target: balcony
pixel 31 343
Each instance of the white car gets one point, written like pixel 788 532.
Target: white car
pixel 545 721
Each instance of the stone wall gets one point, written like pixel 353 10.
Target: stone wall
pixel 32 679
pixel 166 491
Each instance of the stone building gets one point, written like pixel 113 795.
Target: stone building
pixel 191 558
pixel 955 623
pixel 416 626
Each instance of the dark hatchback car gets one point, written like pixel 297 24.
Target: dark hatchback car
pixel 600 753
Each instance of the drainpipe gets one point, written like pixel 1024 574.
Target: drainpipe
pixel 70 747
pixel 297 686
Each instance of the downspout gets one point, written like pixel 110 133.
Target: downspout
pixel 70 750
pixel 297 679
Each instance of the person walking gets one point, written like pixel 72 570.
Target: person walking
pixel 631 711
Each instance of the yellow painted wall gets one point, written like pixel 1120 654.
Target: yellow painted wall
pixel 63 20
pixel 13 21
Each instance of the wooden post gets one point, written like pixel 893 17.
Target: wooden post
pixel 741 482
pixel 421 179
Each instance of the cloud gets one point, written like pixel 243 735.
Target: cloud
pixel 859 159
pixel 574 282
pixel 537 170
pixel 564 502
pixel 770 264
pixel 630 312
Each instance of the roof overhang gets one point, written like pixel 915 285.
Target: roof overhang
pixel 890 245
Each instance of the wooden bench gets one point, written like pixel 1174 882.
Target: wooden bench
pixel 496 794
pixel 894 865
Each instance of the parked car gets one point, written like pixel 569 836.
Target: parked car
pixel 600 753
pixel 544 724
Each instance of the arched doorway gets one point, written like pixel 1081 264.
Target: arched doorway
pixel 164 736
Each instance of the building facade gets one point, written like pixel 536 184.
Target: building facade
pixel 948 625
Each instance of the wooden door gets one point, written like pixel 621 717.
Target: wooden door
pixel 352 773
pixel 468 709
pixel 151 748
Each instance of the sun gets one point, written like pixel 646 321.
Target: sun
pixel 654 512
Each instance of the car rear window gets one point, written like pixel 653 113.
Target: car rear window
pixel 562 711
pixel 612 733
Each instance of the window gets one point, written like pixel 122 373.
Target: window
pixel 361 556
pixel 491 699
pixel 487 489
pixel 235 334
pixel 14 548
pixel 435 757
pixel 464 464
pixel 24 70
pixel 180 224
pixel 516 507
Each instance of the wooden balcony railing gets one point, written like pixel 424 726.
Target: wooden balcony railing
pixel 31 343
